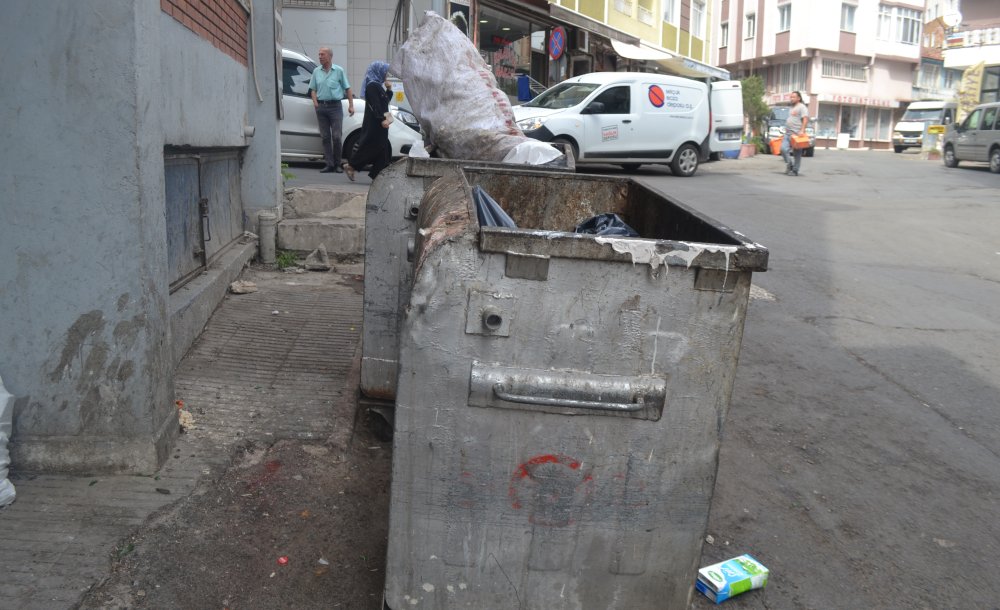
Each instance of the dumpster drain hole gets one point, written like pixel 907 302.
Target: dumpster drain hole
pixel 492 319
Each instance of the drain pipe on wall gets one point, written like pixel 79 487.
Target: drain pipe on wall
pixel 267 227
pixel 7 492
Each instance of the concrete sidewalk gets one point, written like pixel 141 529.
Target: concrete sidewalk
pixel 271 365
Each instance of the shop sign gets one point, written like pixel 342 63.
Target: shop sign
pixel 857 100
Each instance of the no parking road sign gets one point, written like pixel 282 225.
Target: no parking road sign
pixel 557 42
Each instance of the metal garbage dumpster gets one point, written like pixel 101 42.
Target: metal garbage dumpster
pixel 390 227
pixel 560 396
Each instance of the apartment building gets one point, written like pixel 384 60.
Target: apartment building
pixel 973 38
pixel 853 61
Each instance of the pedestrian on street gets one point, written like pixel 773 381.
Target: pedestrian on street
pixel 328 88
pixel 373 145
pixel 796 123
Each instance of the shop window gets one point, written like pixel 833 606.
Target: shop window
pixel 850 116
pixel 826 124
pixel 509 45
pixel 990 91
pixel 878 124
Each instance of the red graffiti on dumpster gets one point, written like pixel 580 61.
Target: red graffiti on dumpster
pixel 555 488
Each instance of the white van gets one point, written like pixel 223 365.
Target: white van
pixel 909 131
pixel 633 118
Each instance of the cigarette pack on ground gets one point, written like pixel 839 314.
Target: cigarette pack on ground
pixel 738 575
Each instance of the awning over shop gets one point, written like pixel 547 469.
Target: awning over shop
pixel 676 64
pixel 691 68
pixel 586 23
pixel 640 51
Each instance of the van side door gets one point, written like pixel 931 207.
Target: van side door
pixel 964 149
pixel 674 111
pixel 609 124
pixel 980 140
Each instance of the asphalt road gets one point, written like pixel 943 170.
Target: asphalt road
pixel 861 454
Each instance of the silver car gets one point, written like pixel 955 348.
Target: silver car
pixel 299 129
pixel 977 138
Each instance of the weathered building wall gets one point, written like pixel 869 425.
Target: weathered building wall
pixel 83 338
pixel 101 88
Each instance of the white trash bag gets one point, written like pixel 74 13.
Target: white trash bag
pixel 532 152
pixel 453 93
pixel 7 491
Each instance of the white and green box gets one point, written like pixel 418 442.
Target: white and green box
pixel 738 575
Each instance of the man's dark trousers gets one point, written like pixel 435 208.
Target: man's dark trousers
pixel 331 126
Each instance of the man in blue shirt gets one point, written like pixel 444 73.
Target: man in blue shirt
pixel 328 86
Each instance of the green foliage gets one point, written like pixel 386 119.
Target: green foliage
pixel 285 259
pixel 285 174
pixel 754 107
pixel 122 550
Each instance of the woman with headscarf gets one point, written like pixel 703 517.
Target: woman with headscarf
pixel 373 145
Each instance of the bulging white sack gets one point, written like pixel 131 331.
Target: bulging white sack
pixel 453 93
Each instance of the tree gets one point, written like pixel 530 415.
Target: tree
pixel 754 107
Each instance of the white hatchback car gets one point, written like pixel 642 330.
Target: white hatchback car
pixel 299 129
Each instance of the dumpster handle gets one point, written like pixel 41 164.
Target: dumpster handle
pixel 566 402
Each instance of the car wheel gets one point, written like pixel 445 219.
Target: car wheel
pixel 569 145
pixel 809 151
pixel 631 167
pixel 995 160
pixel 685 162
pixel 950 160
pixel 899 149
pixel 351 145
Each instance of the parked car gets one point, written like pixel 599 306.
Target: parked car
pixel 632 118
pixel 299 130
pixel 776 129
pixel 977 138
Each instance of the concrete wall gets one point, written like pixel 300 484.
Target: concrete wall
pixel 83 343
pixel 262 186
pixel 369 34
pixel 101 88
pixel 307 29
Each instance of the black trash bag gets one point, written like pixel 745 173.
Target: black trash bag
pixel 606 224
pixel 489 211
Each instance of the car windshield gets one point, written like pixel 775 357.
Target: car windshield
pixel 780 113
pixel 563 95
pixel 930 114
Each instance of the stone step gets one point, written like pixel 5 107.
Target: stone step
pixel 324 202
pixel 341 236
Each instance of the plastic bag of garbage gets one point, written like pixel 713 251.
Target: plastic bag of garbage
pixel 489 211
pixel 532 152
pixel 606 224
pixel 418 151
pixel 453 93
pixel 7 491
